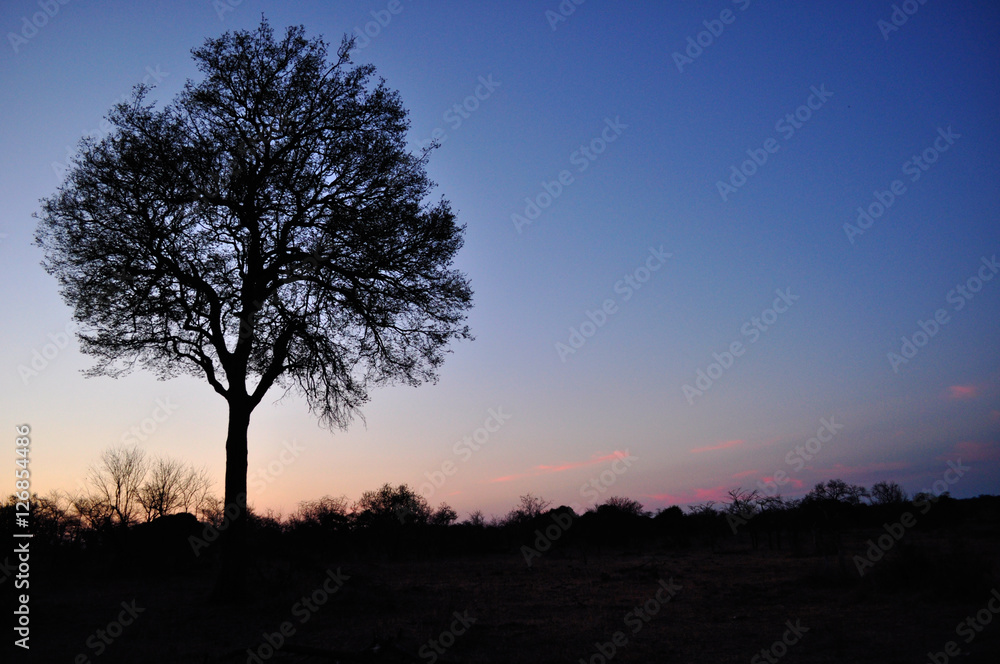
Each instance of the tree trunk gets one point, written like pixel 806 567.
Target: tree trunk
pixel 230 585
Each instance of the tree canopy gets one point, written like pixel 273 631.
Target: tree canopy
pixel 268 223
pixel 267 227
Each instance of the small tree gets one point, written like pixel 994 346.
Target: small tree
pixel 838 490
pixel 444 515
pixel 703 509
pixel 52 517
pixel 160 493
pixel 327 513
pixel 476 519
pixel 193 492
pixel 115 485
pixel 623 505
pixel 744 504
pixel 267 228
pixel 528 507
pixel 391 506
pixel 887 493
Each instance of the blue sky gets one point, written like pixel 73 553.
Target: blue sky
pixel 641 143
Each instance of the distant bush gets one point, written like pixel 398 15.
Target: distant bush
pixel 106 525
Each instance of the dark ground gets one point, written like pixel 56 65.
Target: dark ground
pixel 732 603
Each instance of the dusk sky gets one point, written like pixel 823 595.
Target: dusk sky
pixel 675 289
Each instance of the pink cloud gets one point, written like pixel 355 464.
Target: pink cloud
pixel 962 391
pixel 718 446
pixel 745 473
pixel 547 469
pixel 796 484
pixel 716 493
pixel 507 478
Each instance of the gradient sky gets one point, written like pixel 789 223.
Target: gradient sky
pixel 613 415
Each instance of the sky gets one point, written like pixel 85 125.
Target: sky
pixel 713 244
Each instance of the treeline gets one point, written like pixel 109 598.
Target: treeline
pixel 156 514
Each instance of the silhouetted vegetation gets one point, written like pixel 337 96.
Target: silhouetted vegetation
pixel 268 228
pixel 838 549
pixel 395 522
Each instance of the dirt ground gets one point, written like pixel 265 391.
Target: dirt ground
pixel 695 605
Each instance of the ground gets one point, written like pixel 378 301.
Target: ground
pixel 700 604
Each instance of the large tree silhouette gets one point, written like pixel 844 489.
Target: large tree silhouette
pixel 266 228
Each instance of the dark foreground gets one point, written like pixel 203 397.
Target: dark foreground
pixel 714 604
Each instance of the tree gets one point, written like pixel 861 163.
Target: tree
pixel 159 494
pixel 476 519
pixel 703 509
pixel 171 486
pixel 115 485
pixel 623 505
pixel 327 513
pixel 444 515
pixel 390 507
pixel 744 504
pixel 529 507
pixel 838 490
pixel 193 493
pixel 887 493
pixel 268 227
